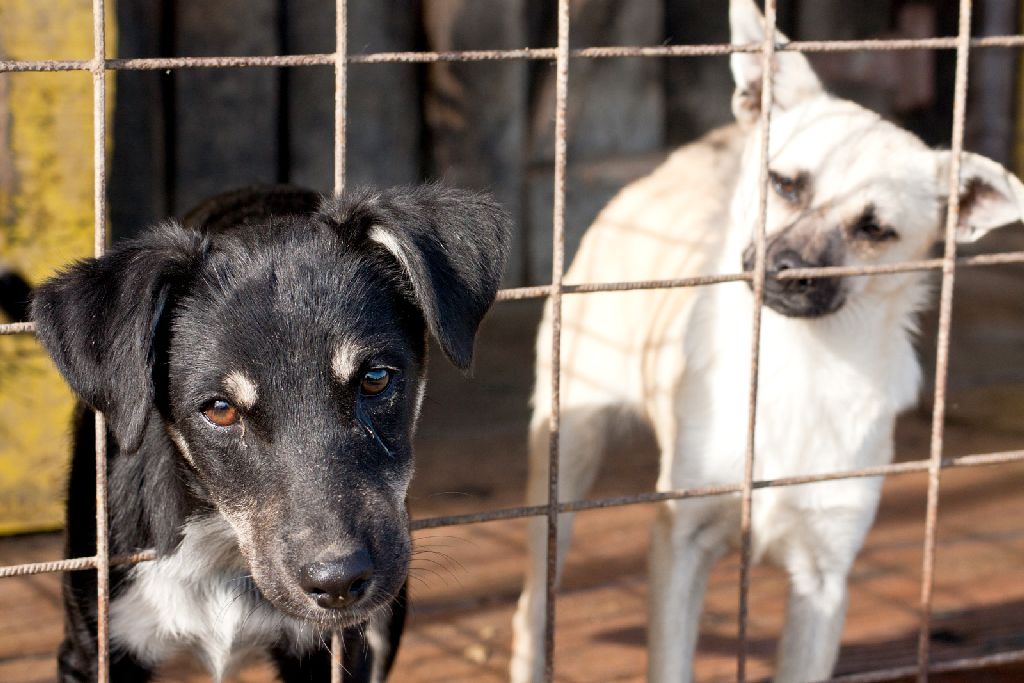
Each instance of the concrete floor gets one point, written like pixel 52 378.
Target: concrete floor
pixel 471 458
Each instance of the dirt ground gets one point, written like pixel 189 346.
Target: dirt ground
pixel 471 457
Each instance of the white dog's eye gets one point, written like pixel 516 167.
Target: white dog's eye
pixel 786 187
pixel 868 228
pixel 375 381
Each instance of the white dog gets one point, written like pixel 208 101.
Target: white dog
pixel 837 361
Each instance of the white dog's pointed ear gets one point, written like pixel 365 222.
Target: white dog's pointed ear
pixel 990 196
pixel 794 78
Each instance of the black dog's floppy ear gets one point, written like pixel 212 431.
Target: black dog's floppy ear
pixel 98 320
pixel 451 245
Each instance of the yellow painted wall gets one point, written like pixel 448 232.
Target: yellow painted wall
pixel 46 220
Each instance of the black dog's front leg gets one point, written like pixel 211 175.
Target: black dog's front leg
pixel 311 667
pixel 364 662
pixel 79 666
pixel 315 666
pixel 76 659
pixel 77 656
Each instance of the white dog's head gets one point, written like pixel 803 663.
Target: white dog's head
pixel 846 187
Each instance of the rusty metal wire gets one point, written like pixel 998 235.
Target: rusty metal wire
pixel 340 92
pixel 542 291
pixel 340 139
pixel 916 466
pixel 555 297
pixel 562 55
pixel 18 328
pixel 546 53
pixel 99 136
pixel 896 469
pixel 757 284
pixel 337 657
pixel 75 564
pixel 942 343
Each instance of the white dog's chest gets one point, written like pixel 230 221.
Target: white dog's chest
pixel 826 402
pixel 192 601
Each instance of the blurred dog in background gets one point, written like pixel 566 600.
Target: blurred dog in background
pixel 837 361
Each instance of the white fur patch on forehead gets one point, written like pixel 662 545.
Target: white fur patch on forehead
pixel 854 157
pixel 347 359
pixel 388 241
pixel 241 389
pixel 835 132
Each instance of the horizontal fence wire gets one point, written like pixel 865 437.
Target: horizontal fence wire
pixel 339 60
pixel 542 291
pixel 542 54
pixel 74 564
pixel 895 469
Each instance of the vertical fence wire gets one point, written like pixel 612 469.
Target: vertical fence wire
pixel 942 341
pixel 557 268
pixel 99 132
pixel 340 91
pixel 767 83
pixel 340 116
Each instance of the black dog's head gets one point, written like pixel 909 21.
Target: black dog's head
pixel 285 360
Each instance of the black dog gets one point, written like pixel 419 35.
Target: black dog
pixel 261 369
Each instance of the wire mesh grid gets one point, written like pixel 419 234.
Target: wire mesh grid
pixel 562 55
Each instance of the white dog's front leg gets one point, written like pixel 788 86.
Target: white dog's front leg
pixel 814 627
pixel 686 541
pixel 818 552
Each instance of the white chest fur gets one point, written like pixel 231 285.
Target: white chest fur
pixel 829 391
pixel 200 598
pixel 824 384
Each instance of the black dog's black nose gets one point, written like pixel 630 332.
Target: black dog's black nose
pixel 338 582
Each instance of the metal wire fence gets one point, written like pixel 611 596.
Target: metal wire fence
pixel 562 55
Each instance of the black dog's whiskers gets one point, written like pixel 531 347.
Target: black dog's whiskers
pixel 444 555
pixel 432 572
pixel 241 625
pixel 415 577
pixel 248 587
pixel 441 567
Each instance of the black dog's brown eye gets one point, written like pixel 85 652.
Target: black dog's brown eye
pixel 375 381
pixel 221 413
pixel 786 187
